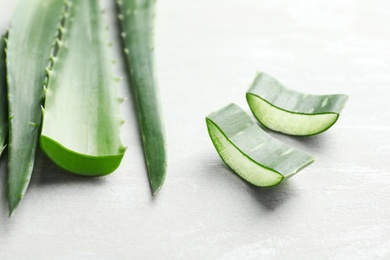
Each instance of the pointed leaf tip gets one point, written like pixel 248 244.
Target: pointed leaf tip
pixel 13 203
pixel 157 183
pixel 156 187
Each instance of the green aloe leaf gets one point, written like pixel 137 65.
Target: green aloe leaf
pixel 291 112
pixel 3 97
pixel 81 125
pixel 137 22
pixel 33 31
pixel 254 155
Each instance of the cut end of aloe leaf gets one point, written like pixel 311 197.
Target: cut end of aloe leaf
pixel 81 123
pixel 291 112
pixel 254 155
pixel 244 166
pixel 78 163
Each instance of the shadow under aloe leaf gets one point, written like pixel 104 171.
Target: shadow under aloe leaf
pixel 260 125
pixel 313 144
pixel 273 198
pixel 47 172
pixel 315 141
pixel 3 185
pixel 269 198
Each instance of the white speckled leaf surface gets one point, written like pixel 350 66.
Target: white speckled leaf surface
pixel 207 55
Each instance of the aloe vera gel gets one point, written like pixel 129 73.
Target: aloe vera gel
pixel 253 154
pixel 291 112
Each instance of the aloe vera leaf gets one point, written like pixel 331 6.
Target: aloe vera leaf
pixel 33 31
pixel 137 23
pixel 81 122
pixel 253 154
pixel 3 97
pixel 291 112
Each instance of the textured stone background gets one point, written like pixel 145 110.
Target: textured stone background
pixel 208 52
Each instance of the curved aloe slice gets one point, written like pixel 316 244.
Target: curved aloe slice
pixel 30 43
pixel 254 155
pixel 291 112
pixel 81 125
pixel 137 21
pixel 3 97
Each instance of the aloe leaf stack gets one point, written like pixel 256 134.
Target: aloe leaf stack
pixel 61 87
pixel 137 23
pixel 32 35
pixel 3 96
pixel 81 126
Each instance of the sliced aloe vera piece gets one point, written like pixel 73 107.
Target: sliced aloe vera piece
pixel 32 35
pixel 81 125
pixel 137 22
pixel 291 112
pixel 3 97
pixel 253 154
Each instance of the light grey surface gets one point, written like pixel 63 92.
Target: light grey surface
pixel 208 52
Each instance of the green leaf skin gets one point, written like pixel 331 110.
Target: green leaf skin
pixel 3 97
pixel 291 112
pixel 137 22
pixel 81 123
pixel 254 155
pixel 33 31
